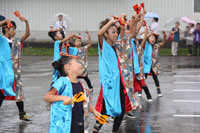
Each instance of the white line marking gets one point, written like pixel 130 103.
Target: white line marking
pixel 187 90
pixel 186 82
pixel 176 115
pixel 186 76
pixel 186 101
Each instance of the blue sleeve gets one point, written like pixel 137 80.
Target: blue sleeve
pixel 56 51
pixel 73 51
pixel 59 85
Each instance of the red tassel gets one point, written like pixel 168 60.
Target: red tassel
pixel 142 5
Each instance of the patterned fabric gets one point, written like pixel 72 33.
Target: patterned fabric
pixel 124 53
pixel 86 107
pixel 83 54
pixel 140 58
pixel 155 59
pixel 16 61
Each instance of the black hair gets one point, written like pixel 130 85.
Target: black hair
pixel 59 65
pixel 151 35
pixel 104 22
pixel 52 34
pixel 5 26
pixel 177 22
pixel 156 19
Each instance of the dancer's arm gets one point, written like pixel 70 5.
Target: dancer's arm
pixel 4 22
pixel 164 39
pixel 52 97
pixel 89 40
pixel 103 30
pixel 93 110
pixel 66 38
pixel 27 30
pixel 133 26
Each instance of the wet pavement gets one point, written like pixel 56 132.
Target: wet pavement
pixel 178 111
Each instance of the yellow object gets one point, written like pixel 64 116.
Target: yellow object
pixel 103 119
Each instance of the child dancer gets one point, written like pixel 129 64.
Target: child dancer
pixel 6 70
pixel 83 55
pixel 113 98
pixel 16 45
pixel 155 67
pixel 139 81
pixel 58 37
pixel 64 118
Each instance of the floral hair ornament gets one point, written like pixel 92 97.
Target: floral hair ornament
pixel 9 25
pixel 79 36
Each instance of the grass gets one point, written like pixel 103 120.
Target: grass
pixel 92 51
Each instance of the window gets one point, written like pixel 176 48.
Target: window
pixel 196 5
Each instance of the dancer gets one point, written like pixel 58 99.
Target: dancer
pixel 58 37
pixel 64 118
pixel 155 66
pixel 16 45
pixel 83 56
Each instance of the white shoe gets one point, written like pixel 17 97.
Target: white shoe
pixel 160 95
pixel 139 95
pixel 150 100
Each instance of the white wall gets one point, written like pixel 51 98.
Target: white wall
pixel 86 14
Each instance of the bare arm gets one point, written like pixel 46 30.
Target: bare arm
pixel 92 110
pixel 66 38
pixel 145 38
pixel 89 41
pixel 133 26
pixel 27 30
pixel 140 23
pixel 52 97
pixel 103 30
pixel 164 39
pixel 4 22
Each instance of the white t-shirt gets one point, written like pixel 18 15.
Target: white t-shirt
pixel 61 25
pixel 142 29
pixel 154 27
pixel 190 37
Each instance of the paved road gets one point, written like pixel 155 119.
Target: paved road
pixel 178 111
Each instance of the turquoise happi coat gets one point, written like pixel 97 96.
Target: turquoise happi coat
pixel 6 69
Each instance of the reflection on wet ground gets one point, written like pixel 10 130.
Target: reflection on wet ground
pixel 176 112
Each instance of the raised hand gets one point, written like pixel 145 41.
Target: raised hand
pixel 23 19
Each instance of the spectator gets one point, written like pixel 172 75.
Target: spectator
pixel 155 28
pixel 60 24
pixel 174 45
pixel 188 33
pixel 197 39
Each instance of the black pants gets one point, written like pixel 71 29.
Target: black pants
pixel 117 120
pixel 76 128
pixel 146 90
pixel 87 80
pixel 156 38
pixel 190 49
pixel 155 78
pixel 1 98
pixel 196 46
